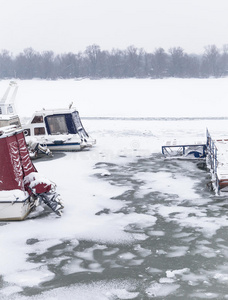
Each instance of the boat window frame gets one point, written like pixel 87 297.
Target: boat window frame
pixel 37 119
pixel 39 131
pixel 50 131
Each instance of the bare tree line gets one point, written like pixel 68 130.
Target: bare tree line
pixel 129 63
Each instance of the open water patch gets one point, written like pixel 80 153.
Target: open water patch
pixel 185 247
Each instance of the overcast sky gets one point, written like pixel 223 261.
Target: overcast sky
pixel 72 25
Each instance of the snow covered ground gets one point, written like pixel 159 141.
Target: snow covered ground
pixel 135 226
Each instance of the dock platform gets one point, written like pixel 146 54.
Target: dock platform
pixel 217 161
pixel 214 151
pixel 180 150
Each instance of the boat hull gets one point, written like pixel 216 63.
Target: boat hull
pixel 67 146
pixel 14 211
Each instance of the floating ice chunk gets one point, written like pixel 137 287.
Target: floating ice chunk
pixel 221 277
pixel 153 270
pixel 172 274
pixel 122 294
pixel 95 267
pixel 127 256
pixel 31 277
pixel 193 278
pixel 73 266
pixel 9 291
pixel 160 252
pixel 177 251
pixel 156 233
pixel 161 290
pixel 135 262
pixel 142 251
pixel 205 251
pixel 202 295
pixel 181 235
pixel 181 186
pixel 166 280
pixel 110 252
pixel 88 253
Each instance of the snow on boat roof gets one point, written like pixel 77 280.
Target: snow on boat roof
pixel 13 195
pixel 45 112
pixel 8 117
pixel 9 130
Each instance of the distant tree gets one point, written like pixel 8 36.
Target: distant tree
pixel 133 62
pixel 68 65
pixel 93 55
pixel 148 65
pixel 223 61
pixel 159 63
pixel 177 62
pixel 142 61
pixel 192 66
pixel 6 64
pixel 27 64
pixel 48 65
pixel 116 63
pixel 210 66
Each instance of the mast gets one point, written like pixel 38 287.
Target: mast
pixel 7 106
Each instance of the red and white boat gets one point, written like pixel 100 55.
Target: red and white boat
pixel 22 188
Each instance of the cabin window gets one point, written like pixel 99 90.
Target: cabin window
pixel 39 131
pixel 9 109
pixel 57 124
pixel 27 132
pixel 38 119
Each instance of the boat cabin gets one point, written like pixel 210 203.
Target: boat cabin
pixel 55 122
pixel 58 129
pixel 8 120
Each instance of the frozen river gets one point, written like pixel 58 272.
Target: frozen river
pixel 135 226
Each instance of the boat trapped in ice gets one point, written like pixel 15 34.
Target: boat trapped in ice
pixel 22 188
pixel 58 129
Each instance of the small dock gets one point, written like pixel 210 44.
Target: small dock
pixel 217 161
pixel 181 150
pixel 214 151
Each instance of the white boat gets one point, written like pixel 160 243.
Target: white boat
pixel 22 188
pixel 55 130
pixel 58 129
pixel 9 118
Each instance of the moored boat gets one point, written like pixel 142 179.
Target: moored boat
pixel 58 129
pixel 22 188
